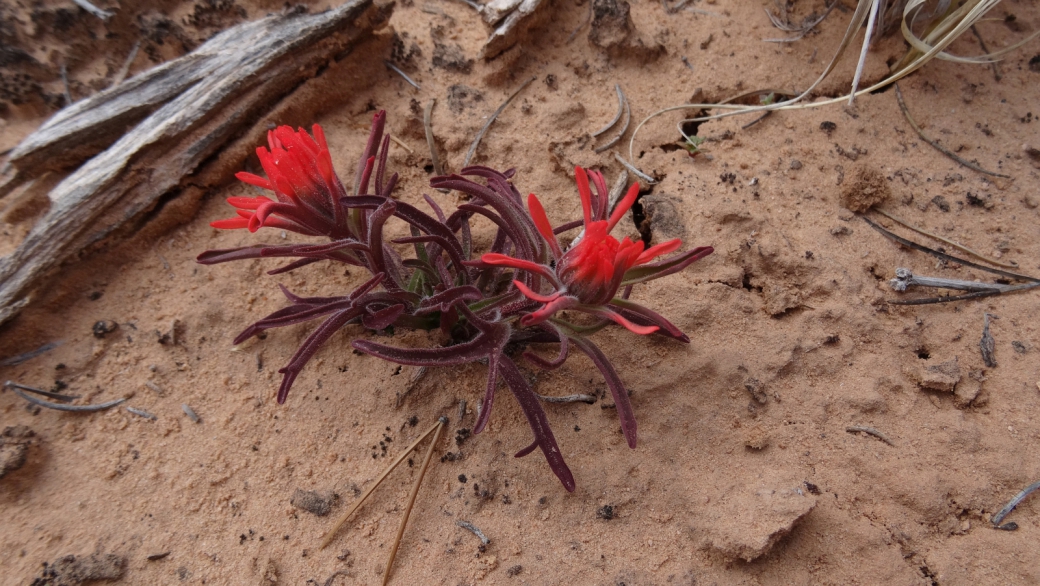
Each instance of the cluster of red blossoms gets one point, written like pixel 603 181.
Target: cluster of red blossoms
pixel 485 312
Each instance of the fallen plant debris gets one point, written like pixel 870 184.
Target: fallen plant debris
pixel 987 345
pixel 1011 506
pixel 623 108
pixel 905 278
pixel 18 388
pixel 471 298
pixel 179 114
pixel 934 144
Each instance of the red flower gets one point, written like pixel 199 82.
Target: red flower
pixel 299 172
pixel 587 277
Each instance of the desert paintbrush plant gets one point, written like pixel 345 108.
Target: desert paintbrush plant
pixel 487 305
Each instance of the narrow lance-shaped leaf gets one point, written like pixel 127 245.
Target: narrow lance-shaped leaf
pixel 617 388
pixel 536 418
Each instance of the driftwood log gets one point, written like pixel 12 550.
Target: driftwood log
pixel 142 139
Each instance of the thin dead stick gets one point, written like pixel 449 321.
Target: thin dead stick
pixel 870 431
pixel 633 169
pixel 102 14
pixel 579 398
pixel 343 518
pixel 483 131
pixel 937 146
pixel 584 23
pixel 756 120
pixel 402 74
pixel 65 84
pixel 1014 503
pixel 906 279
pixel 125 69
pixel 20 358
pixel 624 126
pixel 871 19
pixel 985 50
pixel 959 247
pixel 400 143
pixel 944 256
pixel 618 190
pixel 73 408
pixel 41 392
pixel 474 530
pixel 975 295
pixel 142 413
pixel 462 410
pixel 987 345
pixel 411 498
pixel 675 7
pixel 620 109
pixel 428 125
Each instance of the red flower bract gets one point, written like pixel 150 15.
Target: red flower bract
pixel 299 172
pixel 589 275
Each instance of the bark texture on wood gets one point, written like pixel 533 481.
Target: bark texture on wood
pixel 164 124
pixel 525 16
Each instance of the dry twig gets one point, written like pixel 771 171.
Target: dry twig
pixel 483 131
pixel 956 245
pixel 936 145
pixel 411 498
pixel 379 480
pixel 870 431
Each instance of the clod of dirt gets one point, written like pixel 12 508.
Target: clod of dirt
pixel 941 203
pixel 979 201
pixel 14 448
pixel 748 522
pixel 756 438
pixel 1034 63
pixel 461 97
pixel 867 189
pixel 757 390
pixel 964 395
pixel 72 571
pixel 1033 154
pixel 938 376
pixel 612 29
pixel 313 502
pixel 611 23
pixel 662 218
pixel 405 58
pixel 606 512
pixel 103 328
pixel 451 58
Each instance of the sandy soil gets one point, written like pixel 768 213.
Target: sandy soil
pixel 745 472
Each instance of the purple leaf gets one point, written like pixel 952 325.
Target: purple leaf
pixel 647 317
pixel 617 388
pixel 311 345
pixel 543 435
pixel 560 359
pixel 665 267
pixel 445 300
pixel 383 318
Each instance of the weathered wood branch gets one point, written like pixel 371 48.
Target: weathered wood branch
pixel 524 15
pixel 178 115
